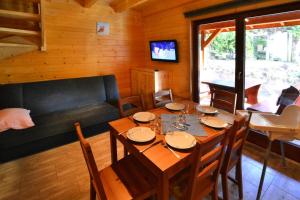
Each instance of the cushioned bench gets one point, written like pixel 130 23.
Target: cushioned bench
pixel 55 106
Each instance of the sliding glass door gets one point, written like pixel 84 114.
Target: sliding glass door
pixel 217 57
pixel 272 56
pixel 255 54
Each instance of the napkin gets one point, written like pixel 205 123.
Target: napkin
pixel 195 127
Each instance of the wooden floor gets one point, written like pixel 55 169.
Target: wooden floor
pixel 61 173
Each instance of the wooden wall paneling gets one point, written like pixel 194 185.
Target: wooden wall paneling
pixel 75 50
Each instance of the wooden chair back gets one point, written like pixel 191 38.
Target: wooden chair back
pixel 206 168
pixel 96 182
pixel 162 97
pixel 131 105
pixel 224 100
pixel 237 138
pixel 251 94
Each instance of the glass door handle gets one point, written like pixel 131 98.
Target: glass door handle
pixel 239 75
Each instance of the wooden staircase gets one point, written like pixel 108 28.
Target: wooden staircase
pixel 21 27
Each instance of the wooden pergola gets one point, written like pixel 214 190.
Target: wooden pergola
pixel 260 22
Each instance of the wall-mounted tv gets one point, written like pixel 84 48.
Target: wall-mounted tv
pixel 164 50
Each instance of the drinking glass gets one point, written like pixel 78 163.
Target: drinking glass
pixel 187 108
pixel 166 129
pixel 154 124
pixel 197 112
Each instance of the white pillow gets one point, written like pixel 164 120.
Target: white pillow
pixel 15 118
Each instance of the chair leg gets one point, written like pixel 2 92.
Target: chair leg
pixel 225 186
pixel 239 178
pixel 282 154
pixel 92 192
pixel 214 193
pixel 125 152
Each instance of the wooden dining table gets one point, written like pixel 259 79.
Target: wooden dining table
pixel 159 159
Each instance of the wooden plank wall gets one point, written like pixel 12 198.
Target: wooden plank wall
pixel 75 50
pixel 165 20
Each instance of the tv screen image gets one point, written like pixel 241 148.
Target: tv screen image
pixel 164 50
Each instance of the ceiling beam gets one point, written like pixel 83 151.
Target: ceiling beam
pixel 122 5
pixel 88 3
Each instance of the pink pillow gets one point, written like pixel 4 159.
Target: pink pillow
pixel 15 118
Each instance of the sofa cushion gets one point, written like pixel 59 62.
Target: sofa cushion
pixel 111 89
pixel 51 96
pixel 59 122
pixel 15 118
pixel 11 96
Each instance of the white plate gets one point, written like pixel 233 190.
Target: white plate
pixel 144 116
pixel 140 134
pixel 214 122
pixel 207 109
pixel 175 106
pixel 180 140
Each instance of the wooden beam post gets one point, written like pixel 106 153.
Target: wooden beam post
pixel 211 37
pixel 202 47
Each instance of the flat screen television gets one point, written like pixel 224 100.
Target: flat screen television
pixel 164 50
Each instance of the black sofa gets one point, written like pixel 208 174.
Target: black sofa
pixel 55 106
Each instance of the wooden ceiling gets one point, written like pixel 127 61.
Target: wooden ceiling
pixel 148 7
pixel 123 5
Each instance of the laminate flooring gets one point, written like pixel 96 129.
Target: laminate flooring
pixel 61 174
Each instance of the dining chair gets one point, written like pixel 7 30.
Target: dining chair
pixel 251 94
pixel 233 154
pixel 162 97
pixel 201 179
pixel 223 99
pixel 127 179
pixel 130 105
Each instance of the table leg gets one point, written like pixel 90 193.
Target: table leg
pixel 282 153
pixel 163 191
pixel 264 170
pixel 113 148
